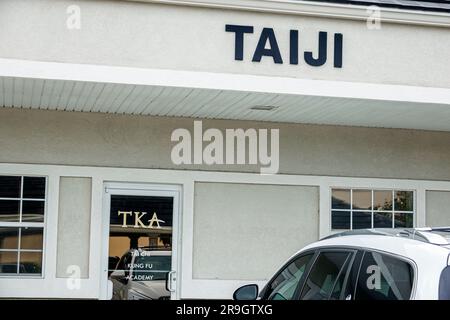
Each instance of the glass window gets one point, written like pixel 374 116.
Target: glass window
pixel 362 199
pixel 34 187
pixel 382 200
pixel 365 209
pixel 10 187
pixel 151 268
pixel 22 210
pixel 324 279
pixel 340 199
pixel 404 201
pixel 362 220
pixel 9 210
pixel 382 220
pixel 383 277
pixel 285 284
pixel 340 219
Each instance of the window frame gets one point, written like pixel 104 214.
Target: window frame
pixel 372 211
pixel 20 224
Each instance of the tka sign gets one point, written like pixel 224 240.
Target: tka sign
pixel 268 47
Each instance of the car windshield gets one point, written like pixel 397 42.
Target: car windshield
pixel 151 268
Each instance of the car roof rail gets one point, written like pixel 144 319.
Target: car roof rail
pixel 427 235
pixel 154 248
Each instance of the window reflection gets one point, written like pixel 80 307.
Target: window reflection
pixel 382 200
pixel 31 239
pixel 340 219
pixel 10 210
pixel 382 220
pixel 8 262
pixel 9 238
pixel 340 199
pixel 404 201
pixel 362 199
pixel 10 187
pixel 33 211
pixel 372 209
pixel 30 262
pixel 362 220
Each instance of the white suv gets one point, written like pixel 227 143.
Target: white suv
pixel 141 275
pixel 370 264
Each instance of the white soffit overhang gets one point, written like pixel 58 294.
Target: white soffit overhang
pixel 153 92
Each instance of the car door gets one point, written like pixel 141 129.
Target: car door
pixel 328 276
pixel 284 284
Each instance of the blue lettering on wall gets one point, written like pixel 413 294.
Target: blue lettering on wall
pixel 267 46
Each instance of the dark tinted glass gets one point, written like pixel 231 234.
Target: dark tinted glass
pixel 9 238
pixel 404 201
pixel 340 199
pixel 382 220
pixel 8 262
pixel 340 219
pixel 285 284
pixel 404 220
pixel 322 278
pixel 444 284
pixel 9 210
pixel 383 277
pixel 31 238
pixel 30 262
pixel 362 220
pixel 9 187
pixel 34 187
pixel 33 211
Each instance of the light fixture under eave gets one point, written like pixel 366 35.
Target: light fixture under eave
pixel 263 108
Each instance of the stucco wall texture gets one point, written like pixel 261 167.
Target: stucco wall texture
pixel 94 139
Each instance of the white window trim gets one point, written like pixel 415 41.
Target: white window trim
pixel 21 224
pixel 51 286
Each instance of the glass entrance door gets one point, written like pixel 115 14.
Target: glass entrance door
pixel 141 255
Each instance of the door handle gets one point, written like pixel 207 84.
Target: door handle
pixel 171 280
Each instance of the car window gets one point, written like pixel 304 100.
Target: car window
pixel 444 284
pixel 284 285
pixel 324 279
pixel 384 277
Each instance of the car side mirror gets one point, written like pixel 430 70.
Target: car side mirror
pixel 248 292
pixel 119 275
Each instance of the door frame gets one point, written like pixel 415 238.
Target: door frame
pixel 141 189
